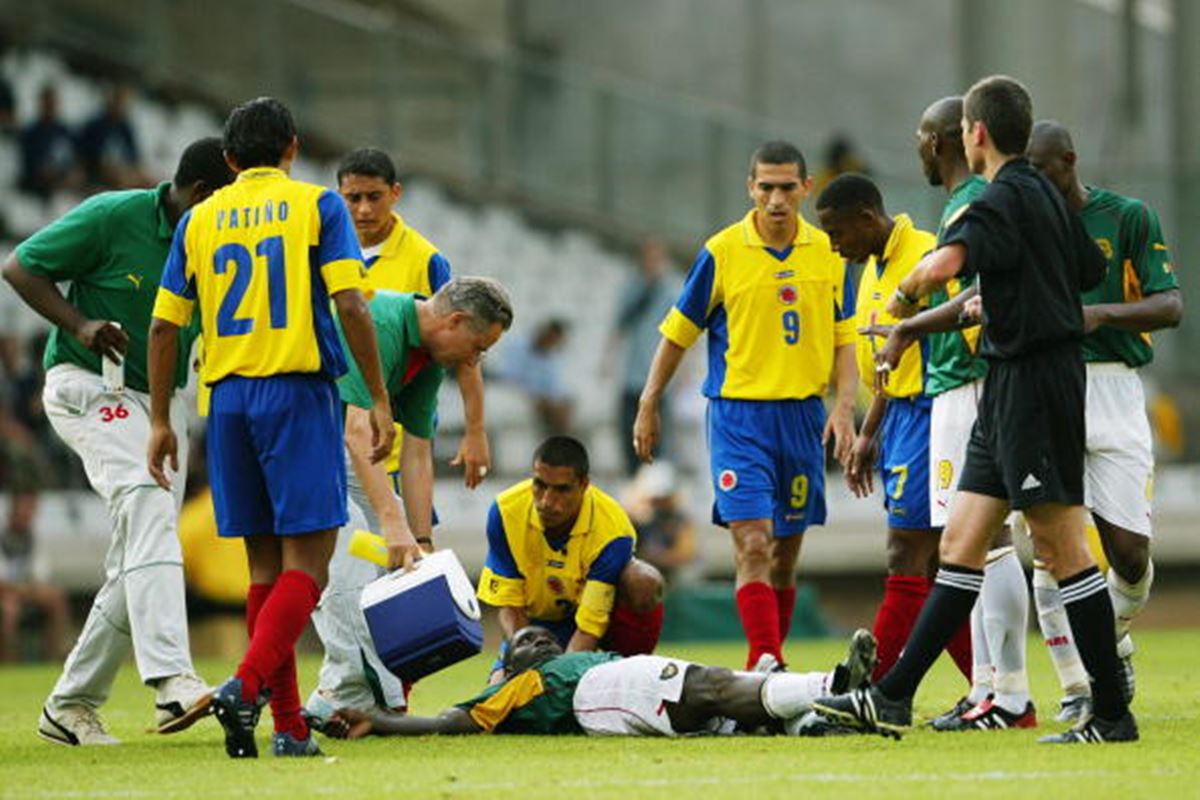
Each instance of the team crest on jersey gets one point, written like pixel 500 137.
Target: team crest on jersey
pixel 1105 247
pixel 555 583
pixel 727 480
pixel 788 294
pixel 668 672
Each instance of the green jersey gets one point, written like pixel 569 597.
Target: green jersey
pixel 1137 264
pixel 538 700
pixel 411 377
pixel 951 359
pixel 112 248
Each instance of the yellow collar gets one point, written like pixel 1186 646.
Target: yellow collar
pixel 753 239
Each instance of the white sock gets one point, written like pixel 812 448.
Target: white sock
pixel 1129 599
pixel 1005 602
pixel 790 694
pixel 1056 630
pixel 981 659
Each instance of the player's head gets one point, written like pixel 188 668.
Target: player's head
pixel 260 133
pixel 778 182
pixel 201 171
pixel 939 138
pixel 851 212
pixel 367 181
pixel 531 646
pixel 997 115
pixel 469 316
pixel 560 479
pixel 1052 151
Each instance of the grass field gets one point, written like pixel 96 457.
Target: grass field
pixel 1164 764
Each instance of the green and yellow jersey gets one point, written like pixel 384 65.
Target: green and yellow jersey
pixel 573 578
pixel 538 700
pixel 952 358
pixel 1137 264
pixel 880 279
pixel 774 317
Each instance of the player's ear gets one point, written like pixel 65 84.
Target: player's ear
pixel 397 192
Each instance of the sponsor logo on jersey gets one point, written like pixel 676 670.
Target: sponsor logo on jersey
pixel 136 280
pixel 783 274
pixel 727 480
pixel 788 294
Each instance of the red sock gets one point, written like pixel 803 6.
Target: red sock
pixel 959 648
pixel 903 596
pixel 633 633
pixel 277 625
pixel 285 694
pixel 760 619
pixel 785 600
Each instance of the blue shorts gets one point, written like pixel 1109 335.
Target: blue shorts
pixel 904 462
pixel 767 462
pixel 275 455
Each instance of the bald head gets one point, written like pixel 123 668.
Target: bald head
pixel 1053 153
pixel 939 141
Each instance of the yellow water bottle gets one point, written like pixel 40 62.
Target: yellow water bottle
pixel 369 547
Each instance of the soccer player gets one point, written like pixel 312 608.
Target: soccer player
pixel 418 340
pixel 851 213
pixel 560 554
pixel 779 311
pixel 400 259
pixel 1139 294
pixel 1033 259
pixel 999 695
pixel 260 259
pixel 546 691
pixel 112 249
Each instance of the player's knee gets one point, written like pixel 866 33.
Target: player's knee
pixel 752 543
pixel 640 587
pixel 911 553
pixel 707 686
pixel 1129 556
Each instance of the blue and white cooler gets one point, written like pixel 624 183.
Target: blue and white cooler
pixel 423 620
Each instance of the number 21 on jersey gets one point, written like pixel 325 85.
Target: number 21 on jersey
pixel 236 257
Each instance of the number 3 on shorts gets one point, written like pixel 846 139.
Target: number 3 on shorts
pixel 799 497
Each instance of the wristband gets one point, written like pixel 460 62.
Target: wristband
pixel 425 540
pixel 905 298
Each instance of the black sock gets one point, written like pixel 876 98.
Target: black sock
pixel 1090 611
pixel 947 607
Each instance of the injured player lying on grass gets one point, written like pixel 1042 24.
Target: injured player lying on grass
pixel 547 691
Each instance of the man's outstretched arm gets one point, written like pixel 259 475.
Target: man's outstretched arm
pixel 349 723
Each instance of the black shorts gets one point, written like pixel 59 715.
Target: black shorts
pixel 1027 445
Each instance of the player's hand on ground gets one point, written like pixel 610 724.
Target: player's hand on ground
pixel 383 433
pixel 474 456
pixel 349 723
pixel 646 429
pixel 861 470
pixel 103 337
pixel 840 426
pixel 163 447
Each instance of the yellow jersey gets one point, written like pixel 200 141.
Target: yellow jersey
pixel 774 317
pixel 260 258
pixel 880 279
pixel 408 263
pixel 556 580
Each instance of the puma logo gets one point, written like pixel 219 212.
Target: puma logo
pixel 136 280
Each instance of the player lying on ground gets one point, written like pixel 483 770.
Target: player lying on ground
pixel 547 691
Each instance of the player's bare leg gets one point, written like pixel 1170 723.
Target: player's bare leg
pixel 757 606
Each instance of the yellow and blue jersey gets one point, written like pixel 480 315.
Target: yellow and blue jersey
pixel 774 317
pixel 880 279
pixel 573 578
pixel 260 258
pixel 406 262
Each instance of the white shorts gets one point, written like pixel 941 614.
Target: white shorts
pixel 950 426
pixel 1119 463
pixel 629 697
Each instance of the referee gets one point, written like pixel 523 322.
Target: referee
pixel 1033 259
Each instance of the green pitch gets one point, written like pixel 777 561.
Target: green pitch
pixel 975 765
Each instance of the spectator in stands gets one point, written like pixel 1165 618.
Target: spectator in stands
pixel 644 302
pixel 535 364
pixel 666 533
pixel 48 160
pixel 108 145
